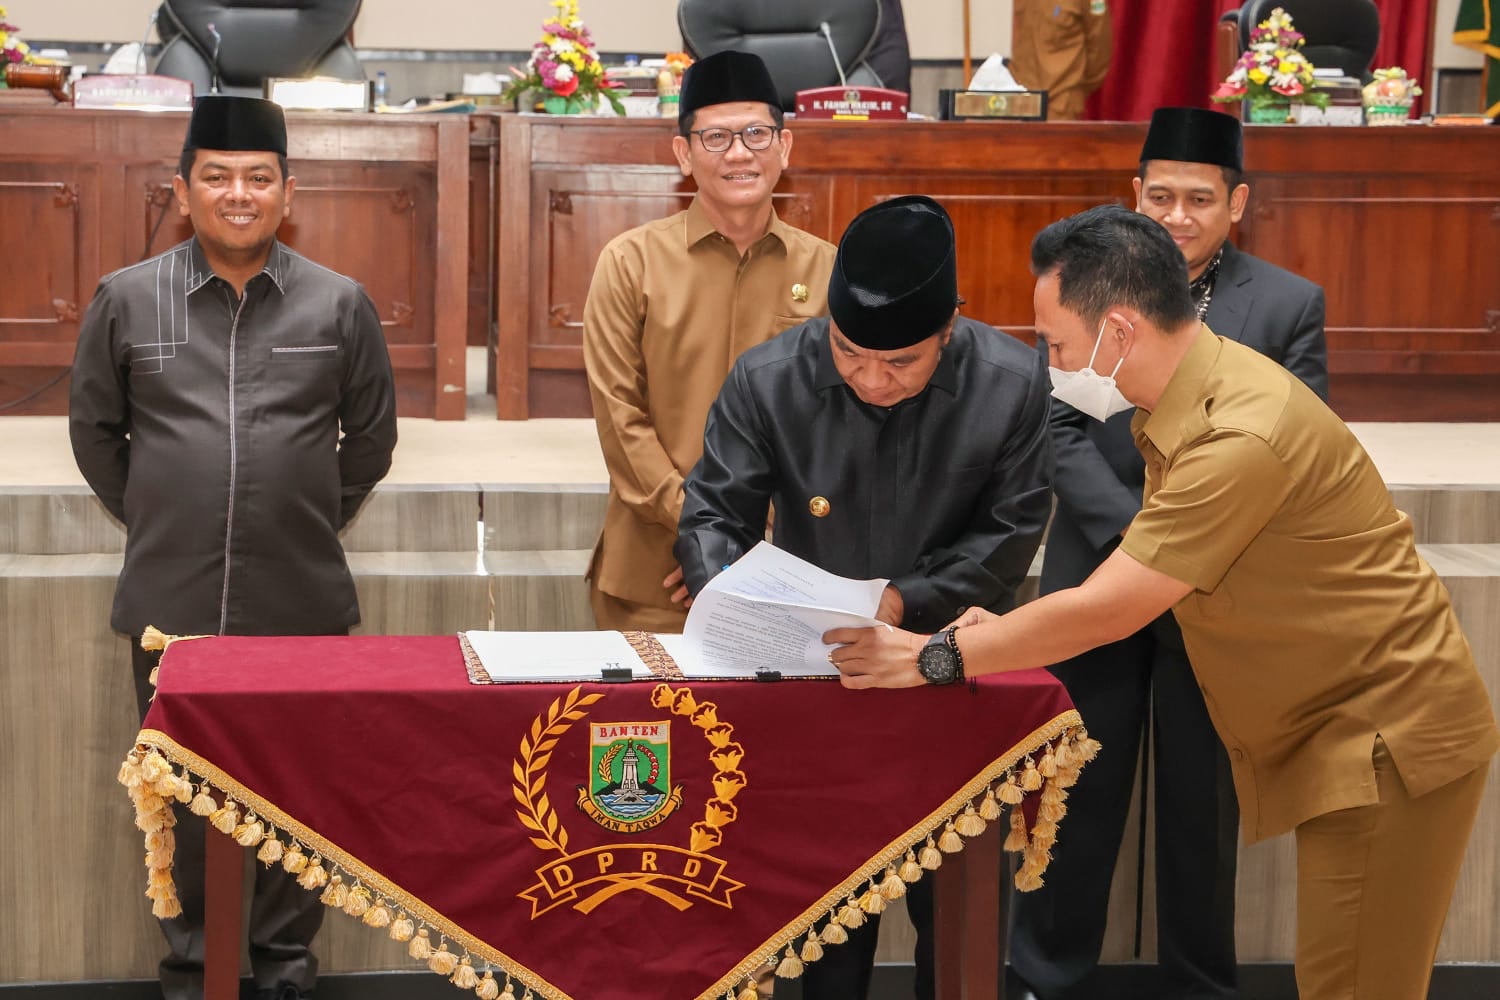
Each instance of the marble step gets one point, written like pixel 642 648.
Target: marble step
pixel 470 518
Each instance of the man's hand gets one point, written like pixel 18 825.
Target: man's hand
pixel 677 589
pixel 892 606
pixel 875 657
pixel 973 616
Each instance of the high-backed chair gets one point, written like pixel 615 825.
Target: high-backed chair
pixel 1340 34
pixel 786 34
pixel 257 39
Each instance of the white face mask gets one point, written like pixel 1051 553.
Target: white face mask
pixel 1087 391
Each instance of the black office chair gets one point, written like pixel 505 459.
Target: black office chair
pixel 786 34
pixel 1340 34
pixel 257 39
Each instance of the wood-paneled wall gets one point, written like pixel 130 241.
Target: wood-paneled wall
pixel 1401 227
pixel 383 199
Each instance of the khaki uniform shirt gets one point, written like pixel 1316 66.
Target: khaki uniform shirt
pixel 1062 47
pixel 1313 625
pixel 671 306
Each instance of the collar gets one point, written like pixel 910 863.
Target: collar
pixel 278 262
pixel 1179 415
pixel 697 227
pixel 944 376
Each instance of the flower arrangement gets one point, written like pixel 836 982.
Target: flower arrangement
pixel 12 49
pixel 1388 98
pixel 1272 74
pixel 564 68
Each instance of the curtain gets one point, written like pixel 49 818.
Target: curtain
pixel 1163 55
pixel 1405 41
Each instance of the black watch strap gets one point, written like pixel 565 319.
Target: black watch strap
pixel 951 635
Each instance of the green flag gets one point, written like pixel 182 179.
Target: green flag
pixel 1478 28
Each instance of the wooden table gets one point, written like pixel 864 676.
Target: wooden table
pixel 381 198
pixel 1401 227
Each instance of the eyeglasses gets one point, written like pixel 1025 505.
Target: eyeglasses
pixel 754 137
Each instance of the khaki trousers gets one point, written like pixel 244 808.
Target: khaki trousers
pixel 614 614
pixel 1374 884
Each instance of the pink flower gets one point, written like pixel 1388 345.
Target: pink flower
pixel 1290 89
pixel 1227 90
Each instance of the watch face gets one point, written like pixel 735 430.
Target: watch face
pixel 937 664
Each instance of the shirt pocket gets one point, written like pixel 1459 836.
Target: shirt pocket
pixel 304 353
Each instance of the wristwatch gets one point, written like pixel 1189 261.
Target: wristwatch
pixel 939 661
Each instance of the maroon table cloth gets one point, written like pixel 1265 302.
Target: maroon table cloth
pixel 597 841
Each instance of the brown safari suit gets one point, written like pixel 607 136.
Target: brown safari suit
pixel 671 306
pixel 1062 47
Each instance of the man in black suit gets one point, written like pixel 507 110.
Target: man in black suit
pixel 1191 182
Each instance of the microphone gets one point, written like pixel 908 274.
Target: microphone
pixel 218 40
pixel 140 58
pixel 837 63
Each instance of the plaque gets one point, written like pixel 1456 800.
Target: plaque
pixel 133 91
pixel 1009 105
pixel 852 104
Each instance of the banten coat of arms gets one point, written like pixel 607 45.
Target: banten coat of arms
pixel 630 786
pixel 629 790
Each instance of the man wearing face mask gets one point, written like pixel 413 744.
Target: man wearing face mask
pixel 1190 181
pixel 1330 658
pixel 897 439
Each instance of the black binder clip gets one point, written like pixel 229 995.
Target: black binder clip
pixel 768 675
pixel 615 674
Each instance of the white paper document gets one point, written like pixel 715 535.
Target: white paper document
pixel 768 611
pixel 553 656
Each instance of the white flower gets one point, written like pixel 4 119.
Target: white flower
pixel 562 45
pixel 563 73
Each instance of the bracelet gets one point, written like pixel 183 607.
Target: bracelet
pixel 957 653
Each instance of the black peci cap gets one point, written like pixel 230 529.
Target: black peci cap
pixel 236 123
pixel 725 78
pixel 1193 135
pixel 895 279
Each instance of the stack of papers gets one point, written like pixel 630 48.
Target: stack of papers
pixel 767 612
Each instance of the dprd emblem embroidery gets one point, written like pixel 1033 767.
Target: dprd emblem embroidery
pixel 630 776
pixel 629 790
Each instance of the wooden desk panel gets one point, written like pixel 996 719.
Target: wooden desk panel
pixel 1400 226
pixel 383 200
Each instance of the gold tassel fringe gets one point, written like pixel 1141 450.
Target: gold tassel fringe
pixel 790 966
pixel 488 989
pixel 271 851
pixel 464 977
pixel 893 886
pixel 443 961
pixel 969 823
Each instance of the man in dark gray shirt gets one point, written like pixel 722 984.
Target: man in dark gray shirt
pixel 232 403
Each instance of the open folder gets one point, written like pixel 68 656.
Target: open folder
pixel 764 615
